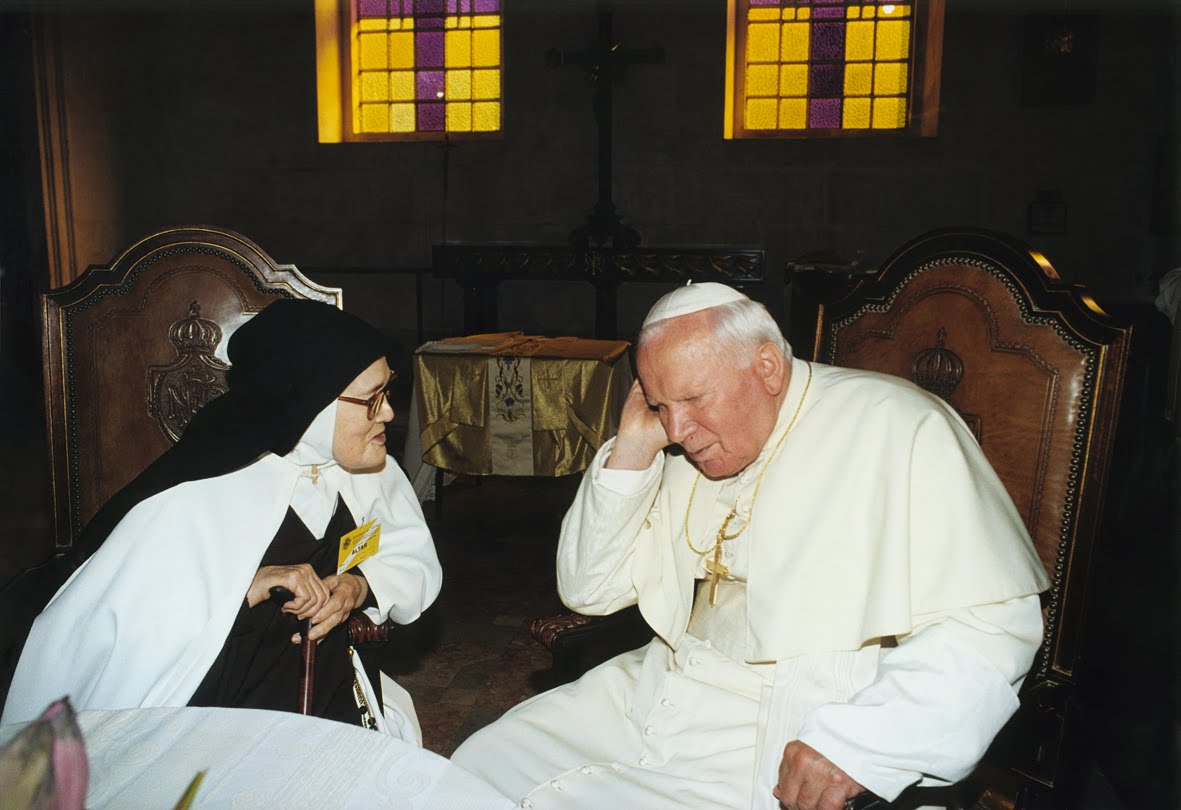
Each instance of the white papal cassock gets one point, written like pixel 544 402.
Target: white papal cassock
pixel 878 519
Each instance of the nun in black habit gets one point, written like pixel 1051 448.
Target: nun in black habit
pixel 170 607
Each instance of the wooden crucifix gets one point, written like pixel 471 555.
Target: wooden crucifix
pixel 605 61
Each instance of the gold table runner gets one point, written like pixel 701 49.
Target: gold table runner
pixel 512 404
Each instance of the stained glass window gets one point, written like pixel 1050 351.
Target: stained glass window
pixel 832 67
pixel 410 68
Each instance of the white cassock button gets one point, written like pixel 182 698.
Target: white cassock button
pixel 649 731
pixel 665 702
pixel 643 762
pixel 587 769
pixel 692 661
pixel 526 803
pixel 615 766
pixel 556 784
pixel 647 524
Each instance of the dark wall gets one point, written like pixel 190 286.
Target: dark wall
pixel 208 115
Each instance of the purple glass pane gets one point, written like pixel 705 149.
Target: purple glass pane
pixel 764 2
pixel 828 12
pixel 824 113
pixel 452 6
pixel 824 81
pixel 430 117
pixel 407 7
pixel 428 85
pixel 828 41
pixel 430 7
pixel 487 6
pixel 372 8
pixel 465 6
pixel 425 23
pixel 428 49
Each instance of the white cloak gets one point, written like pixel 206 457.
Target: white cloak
pixel 140 622
pixel 879 517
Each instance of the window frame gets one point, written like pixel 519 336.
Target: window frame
pixel 922 90
pixel 335 61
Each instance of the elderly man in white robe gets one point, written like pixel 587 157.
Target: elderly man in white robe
pixel 843 594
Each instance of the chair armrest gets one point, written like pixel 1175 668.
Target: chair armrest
pixel 364 633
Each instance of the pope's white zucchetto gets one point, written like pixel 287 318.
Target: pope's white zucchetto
pixel 692 298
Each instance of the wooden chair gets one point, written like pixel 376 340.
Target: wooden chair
pixel 1036 369
pixel 131 351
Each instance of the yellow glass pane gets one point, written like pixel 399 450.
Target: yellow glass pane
pixel 853 12
pixel 375 86
pixel 372 51
pixel 805 14
pixel 762 80
pixel 762 43
pixel 895 11
pixel 890 79
pixel 486 48
pixel 795 42
pixel 859 79
pixel 486 116
pixel 459 117
pixel 459 85
pixel 893 39
pixel 402 50
pixel 793 113
pixel 867 11
pixel 402 85
pixel 859 41
pixel 371 24
pixel 375 118
pixel 395 24
pixel 408 24
pixel 457 49
pixel 856 113
pixel 486 21
pixel 889 113
pixel 760 113
pixel 763 14
pixel 450 22
pixel 789 14
pixel 465 22
pixel 793 80
pixel 485 84
pixel 402 118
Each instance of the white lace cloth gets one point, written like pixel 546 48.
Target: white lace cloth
pixel 253 758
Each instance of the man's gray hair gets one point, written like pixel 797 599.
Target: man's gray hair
pixel 742 326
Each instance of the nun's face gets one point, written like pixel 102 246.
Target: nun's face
pixel 358 443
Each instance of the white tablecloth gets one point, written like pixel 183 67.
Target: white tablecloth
pixel 145 758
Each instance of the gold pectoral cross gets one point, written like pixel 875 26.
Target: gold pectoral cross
pixel 315 473
pixel 718 570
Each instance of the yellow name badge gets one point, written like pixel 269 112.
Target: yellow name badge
pixel 358 545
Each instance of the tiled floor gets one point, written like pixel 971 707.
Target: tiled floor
pixel 469 658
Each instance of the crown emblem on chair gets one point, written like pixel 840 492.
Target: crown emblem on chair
pixel 195 335
pixel 937 369
pixel 178 390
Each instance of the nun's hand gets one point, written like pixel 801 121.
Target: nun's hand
pixel 311 594
pixel 347 592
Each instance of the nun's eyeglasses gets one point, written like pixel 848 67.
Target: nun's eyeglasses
pixel 374 403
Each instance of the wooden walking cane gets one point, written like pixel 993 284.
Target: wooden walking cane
pixel 307 649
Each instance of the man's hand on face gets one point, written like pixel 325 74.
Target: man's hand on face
pixel 809 781
pixel 640 436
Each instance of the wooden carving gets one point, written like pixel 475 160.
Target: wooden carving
pixel 180 389
pixel 939 370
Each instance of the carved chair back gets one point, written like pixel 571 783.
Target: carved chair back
pixel 1035 368
pixel 133 349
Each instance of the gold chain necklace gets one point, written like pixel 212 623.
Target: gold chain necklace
pixel 715 566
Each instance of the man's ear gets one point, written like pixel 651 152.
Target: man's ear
pixel 771 366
